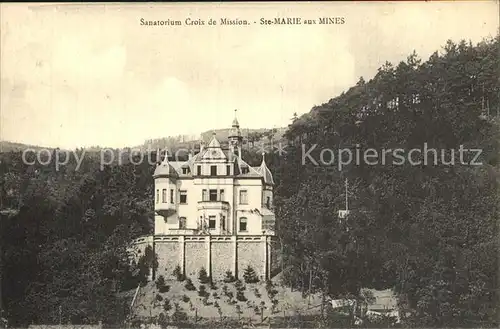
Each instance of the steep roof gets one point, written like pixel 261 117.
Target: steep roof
pixel 235 123
pixel 265 172
pixel 165 168
pixel 213 151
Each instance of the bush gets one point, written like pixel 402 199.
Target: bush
pixel 274 303
pixel 216 295
pixel 179 315
pixel 257 293
pixel 185 299
pixel 163 320
pixel 213 286
pixel 166 305
pixel 219 309
pixel 271 292
pixel 159 297
pixel 241 296
pixel 269 285
pixel 178 274
pixel 249 275
pixel 160 282
pixel 161 286
pixel 239 285
pixel 229 277
pixel 203 276
pixel 202 292
pixel 189 285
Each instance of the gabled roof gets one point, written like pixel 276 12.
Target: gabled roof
pixel 214 143
pixel 215 152
pixel 165 168
pixel 174 168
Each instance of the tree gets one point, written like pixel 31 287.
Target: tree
pixel 177 273
pixel 249 275
pixel 203 276
pixel 229 277
pixel 189 285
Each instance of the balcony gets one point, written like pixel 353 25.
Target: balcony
pixel 213 205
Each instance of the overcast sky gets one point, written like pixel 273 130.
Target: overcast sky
pixel 75 75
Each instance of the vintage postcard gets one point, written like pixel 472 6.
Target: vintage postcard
pixel 249 165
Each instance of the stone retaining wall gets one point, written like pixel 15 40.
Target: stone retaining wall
pixel 216 253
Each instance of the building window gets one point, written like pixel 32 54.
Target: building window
pixel 221 195
pixel 245 170
pixel 182 223
pixel 268 202
pixel 223 223
pixel 183 197
pixel 213 170
pixel 164 195
pixel 228 170
pixel 185 171
pixel 157 196
pixel 171 196
pixel 198 170
pixel 243 197
pixel 243 224
pixel 213 195
pixel 204 195
pixel 211 223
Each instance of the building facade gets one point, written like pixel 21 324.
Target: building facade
pixel 213 211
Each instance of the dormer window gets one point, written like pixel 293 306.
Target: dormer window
pixel 245 170
pixel 213 170
pixel 198 170
pixel 185 171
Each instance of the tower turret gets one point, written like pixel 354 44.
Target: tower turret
pixel 165 177
pixel 235 137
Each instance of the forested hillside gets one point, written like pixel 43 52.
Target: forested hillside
pixel 427 230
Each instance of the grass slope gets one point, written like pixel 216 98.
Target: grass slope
pixel 289 303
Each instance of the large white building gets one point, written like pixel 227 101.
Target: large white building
pixel 215 192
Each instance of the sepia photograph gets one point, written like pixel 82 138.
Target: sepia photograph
pixel 216 165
